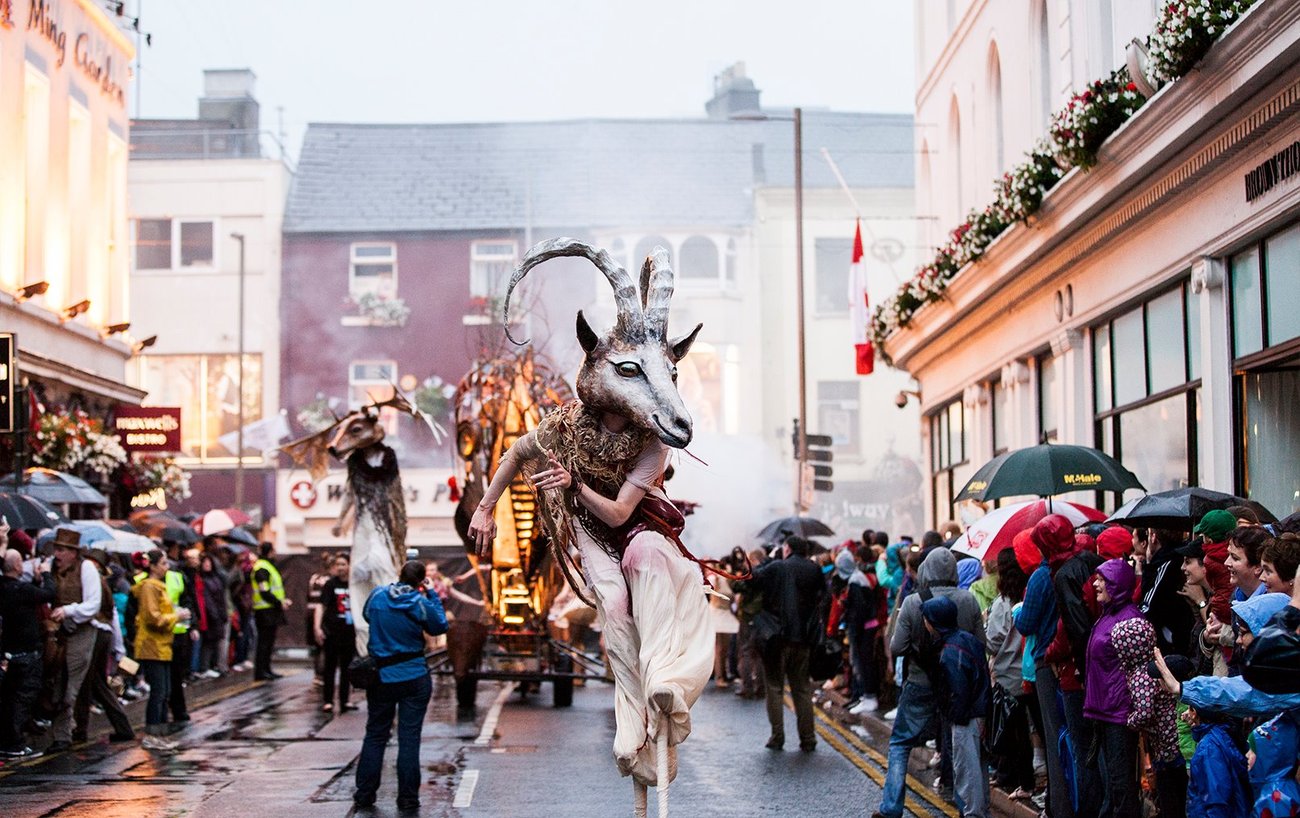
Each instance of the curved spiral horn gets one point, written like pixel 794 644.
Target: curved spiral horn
pixel 624 287
pixel 656 291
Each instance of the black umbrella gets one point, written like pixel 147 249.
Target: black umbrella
pixel 1045 470
pixel 797 526
pixel 162 525
pixel 239 535
pixel 25 511
pixel 57 487
pixel 1181 508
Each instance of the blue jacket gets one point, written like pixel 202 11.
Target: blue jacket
pixel 1233 696
pixel 1037 616
pixel 965 683
pixel 399 616
pixel 1217 786
pixel 1277 746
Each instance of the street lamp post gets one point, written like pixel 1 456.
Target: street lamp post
pixel 802 454
pixel 239 433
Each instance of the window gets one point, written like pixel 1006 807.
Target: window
pixel 1001 404
pixel 490 266
pixel 698 260
pixel 1044 73
pixel 372 382
pixel 954 150
pixel 1145 392
pixel 174 244
pixel 36 176
pixel 1272 440
pixel 995 102
pixel 729 272
pixel 1049 403
pixel 833 259
pixel 206 387
pixel 838 412
pixel 373 270
pixel 153 244
pixel 700 382
pixel 949 466
pixel 1266 293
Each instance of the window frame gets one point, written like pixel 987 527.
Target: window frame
pixel 174 224
pixel 204 362
pixel 387 415
pixel 354 260
pixel 836 312
pixel 943 463
pixel 476 257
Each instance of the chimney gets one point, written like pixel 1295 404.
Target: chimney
pixel 734 94
pixel 228 102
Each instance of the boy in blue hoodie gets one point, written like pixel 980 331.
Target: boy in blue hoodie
pixel 1217 784
pixel 400 615
pixel 963 688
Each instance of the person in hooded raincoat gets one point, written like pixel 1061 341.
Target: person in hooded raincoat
pixel 1153 712
pixel 1106 694
pixel 1274 748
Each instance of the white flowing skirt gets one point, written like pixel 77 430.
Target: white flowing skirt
pixel 660 646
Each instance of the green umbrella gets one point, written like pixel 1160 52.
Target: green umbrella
pixel 1045 470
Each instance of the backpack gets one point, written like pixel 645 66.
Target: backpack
pixel 925 648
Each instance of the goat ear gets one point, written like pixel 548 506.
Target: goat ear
pixel 678 349
pixel 586 335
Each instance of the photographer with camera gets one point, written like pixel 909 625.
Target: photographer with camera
pixel 399 615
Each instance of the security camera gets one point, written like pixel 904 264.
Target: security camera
pixel 900 400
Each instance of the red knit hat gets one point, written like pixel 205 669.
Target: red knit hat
pixel 1028 557
pixel 1115 543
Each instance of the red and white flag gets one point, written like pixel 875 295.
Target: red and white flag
pixel 860 308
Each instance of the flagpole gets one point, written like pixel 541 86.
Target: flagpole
pixel 802 453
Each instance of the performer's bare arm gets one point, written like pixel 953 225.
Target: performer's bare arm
pixel 611 512
pixel 345 520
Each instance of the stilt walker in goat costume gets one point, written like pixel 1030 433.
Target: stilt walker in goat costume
pixel 374 509
pixel 597 464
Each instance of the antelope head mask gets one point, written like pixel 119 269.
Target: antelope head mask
pixel 631 370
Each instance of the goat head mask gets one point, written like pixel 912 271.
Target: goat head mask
pixel 631 370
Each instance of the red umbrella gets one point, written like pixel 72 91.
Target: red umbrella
pixel 995 530
pixel 220 520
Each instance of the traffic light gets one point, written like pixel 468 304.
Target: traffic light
pixel 819 458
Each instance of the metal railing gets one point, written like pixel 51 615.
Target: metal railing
pixel 204 143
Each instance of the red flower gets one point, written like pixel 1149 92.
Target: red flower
pixel 1132 86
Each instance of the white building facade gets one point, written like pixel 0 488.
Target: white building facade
pixel 201 192
pixel 64 74
pixel 1148 308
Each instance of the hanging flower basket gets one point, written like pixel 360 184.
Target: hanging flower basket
pixel 1184 32
pixel 1079 129
pixel 74 442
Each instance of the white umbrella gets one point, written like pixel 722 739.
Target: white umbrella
pixel 995 530
pixel 117 541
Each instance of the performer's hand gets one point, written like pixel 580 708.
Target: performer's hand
pixel 556 477
pixel 483 528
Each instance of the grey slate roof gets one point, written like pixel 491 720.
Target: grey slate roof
pixel 584 173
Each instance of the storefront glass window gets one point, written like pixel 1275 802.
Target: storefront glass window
pixel 1101 367
pixel 206 387
pixel 1282 283
pixel 1153 443
pixel 1049 414
pixel 1247 327
pixel 1272 439
pixel 1130 345
pixel 948 455
pixel 1001 418
pixel 1193 307
pixel 1166 345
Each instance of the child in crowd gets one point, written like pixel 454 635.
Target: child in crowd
pixel 964 688
pixel 1218 786
pixel 1274 747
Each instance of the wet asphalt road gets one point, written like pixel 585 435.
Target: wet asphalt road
pixel 268 751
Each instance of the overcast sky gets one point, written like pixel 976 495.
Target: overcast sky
pixel 492 60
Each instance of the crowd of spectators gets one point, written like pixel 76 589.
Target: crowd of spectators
pixel 83 630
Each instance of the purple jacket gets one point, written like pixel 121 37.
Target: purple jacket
pixel 1106 695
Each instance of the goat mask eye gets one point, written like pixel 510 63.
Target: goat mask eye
pixel 628 369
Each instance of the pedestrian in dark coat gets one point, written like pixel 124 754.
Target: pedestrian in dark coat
pixel 793 590
pixel 963 685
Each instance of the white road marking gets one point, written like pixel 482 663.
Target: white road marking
pixel 494 715
pixel 465 791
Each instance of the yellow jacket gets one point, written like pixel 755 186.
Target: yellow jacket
pixel 154 623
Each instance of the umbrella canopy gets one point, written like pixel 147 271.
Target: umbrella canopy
pixel 99 534
pixel 1181 508
pixel 1047 470
pixel 995 530
pixel 57 487
pixel 25 511
pixel 220 520
pixel 163 525
pixel 240 535
pixel 797 526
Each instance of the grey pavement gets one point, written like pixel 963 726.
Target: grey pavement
pixel 268 751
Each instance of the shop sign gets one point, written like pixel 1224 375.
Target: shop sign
pixel 7 374
pixel 303 494
pixel 149 428
pixel 426 492
pixel 91 51
pixel 1277 168
pixel 153 498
